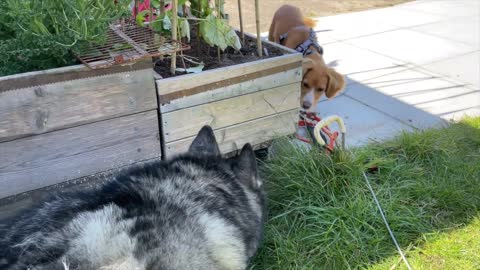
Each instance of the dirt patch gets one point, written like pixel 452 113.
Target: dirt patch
pixel 311 8
pixel 204 53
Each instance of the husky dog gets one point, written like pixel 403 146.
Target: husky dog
pixel 196 211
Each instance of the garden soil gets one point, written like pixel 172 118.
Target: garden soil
pixel 208 56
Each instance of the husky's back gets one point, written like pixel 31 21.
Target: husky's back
pixel 196 211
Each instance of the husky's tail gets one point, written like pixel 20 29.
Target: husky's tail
pixel 309 22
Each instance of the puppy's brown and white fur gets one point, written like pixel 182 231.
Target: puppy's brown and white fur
pixel 317 77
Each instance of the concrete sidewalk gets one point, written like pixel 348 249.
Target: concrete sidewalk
pixel 411 66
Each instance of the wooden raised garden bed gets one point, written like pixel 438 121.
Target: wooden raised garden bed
pixel 66 123
pixel 253 103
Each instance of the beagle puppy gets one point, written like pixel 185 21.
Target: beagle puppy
pixel 290 29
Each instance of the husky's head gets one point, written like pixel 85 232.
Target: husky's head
pixel 243 168
pixel 244 165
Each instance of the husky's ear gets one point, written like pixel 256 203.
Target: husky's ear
pixel 245 167
pixel 205 142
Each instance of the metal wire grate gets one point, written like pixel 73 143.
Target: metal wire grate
pixel 127 42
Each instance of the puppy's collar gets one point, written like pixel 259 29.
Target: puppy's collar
pixel 304 46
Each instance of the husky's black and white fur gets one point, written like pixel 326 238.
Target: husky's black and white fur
pixel 196 211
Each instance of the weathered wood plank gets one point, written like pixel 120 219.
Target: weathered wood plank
pixel 42 160
pixel 254 132
pixel 59 105
pixel 215 77
pixel 223 83
pixel 36 78
pixel 247 87
pixel 185 123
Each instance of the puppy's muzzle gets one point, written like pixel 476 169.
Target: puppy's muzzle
pixel 306 105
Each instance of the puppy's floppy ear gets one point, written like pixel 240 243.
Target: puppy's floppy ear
pixel 336 82
pixel 307 64
pixel 245 167
pixel 205 142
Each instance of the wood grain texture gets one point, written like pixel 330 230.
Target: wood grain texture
pixel 43 160
pixel 185 123
pixel 167 98
pixel 242 88
pixel 60 105
pixel 254 132
pixel 211 77
pixel 36 78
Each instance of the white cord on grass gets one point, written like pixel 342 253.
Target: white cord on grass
pixel 386 222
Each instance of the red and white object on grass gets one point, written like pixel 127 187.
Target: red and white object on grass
pixel 313 130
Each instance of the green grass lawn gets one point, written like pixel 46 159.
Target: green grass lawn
pixel 322 216
pixel 453 249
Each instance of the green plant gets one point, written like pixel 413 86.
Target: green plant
pixel 40 34
pixel 213 28
pixel 5 30
pixel 216 31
